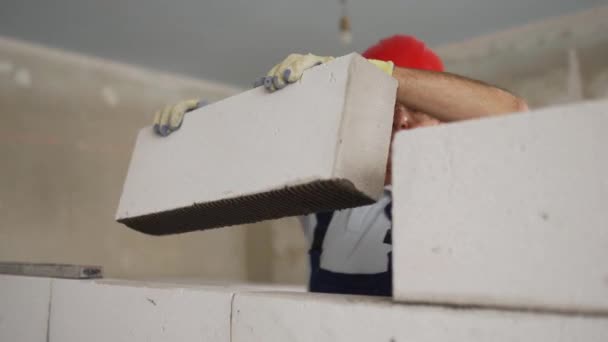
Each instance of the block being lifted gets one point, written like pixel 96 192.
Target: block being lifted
pixel 505 212
pixel 319 144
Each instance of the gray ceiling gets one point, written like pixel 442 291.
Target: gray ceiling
pixel 234 41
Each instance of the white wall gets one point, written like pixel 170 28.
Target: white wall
pixel 67 128
pixel 549 62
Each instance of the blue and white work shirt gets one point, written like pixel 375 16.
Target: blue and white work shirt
pixel 355 238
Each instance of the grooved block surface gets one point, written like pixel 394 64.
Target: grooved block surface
pixel 265 317
pixel 137 311
pixel 508 212
pixel 24 308
pixel 318 144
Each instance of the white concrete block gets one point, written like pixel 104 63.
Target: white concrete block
pixel 136 311
pixel 310 317
pixel 333 125
pixel 509 212
pixel 24 308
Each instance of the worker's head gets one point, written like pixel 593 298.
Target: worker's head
pixel 405 52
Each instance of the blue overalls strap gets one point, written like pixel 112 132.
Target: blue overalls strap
pixel 323 220
pixel 388 210
pixel 388 238
pixel 378 284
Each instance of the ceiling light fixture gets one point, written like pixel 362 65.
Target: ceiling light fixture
pixel 346 36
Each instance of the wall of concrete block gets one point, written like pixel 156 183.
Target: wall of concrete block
pixel 142 311
pixel 312 317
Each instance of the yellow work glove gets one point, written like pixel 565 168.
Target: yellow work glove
pixel 291 69
pixel 387 67
pixel 170 118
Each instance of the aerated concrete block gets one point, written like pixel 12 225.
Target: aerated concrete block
pixel 505 212
pixel 24 308
pixel 319 144
pixel 272 317
pixel 138 311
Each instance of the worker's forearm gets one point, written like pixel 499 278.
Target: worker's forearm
pixel 449 97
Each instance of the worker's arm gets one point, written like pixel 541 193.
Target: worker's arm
pixel 450 97
pixel 444 96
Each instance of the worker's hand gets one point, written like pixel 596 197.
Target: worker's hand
pixel 289 70
pixel 170 118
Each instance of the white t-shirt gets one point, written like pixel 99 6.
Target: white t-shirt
pixel 354 242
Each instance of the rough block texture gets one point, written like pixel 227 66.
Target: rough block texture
pixel 135 311
pixel 319 144
pixel 259 317
pixel 24 308
pixel 508 212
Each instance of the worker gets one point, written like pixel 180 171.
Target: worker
pixel 350 250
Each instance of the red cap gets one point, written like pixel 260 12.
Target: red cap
pixel 405 52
